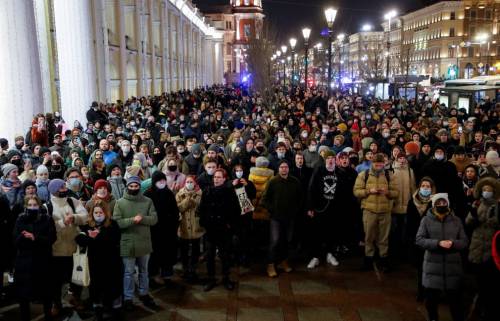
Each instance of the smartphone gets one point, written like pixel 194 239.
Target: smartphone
pixel 460 129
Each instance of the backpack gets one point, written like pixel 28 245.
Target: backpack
pixel 50 207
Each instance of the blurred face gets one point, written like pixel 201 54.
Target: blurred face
pixel 441 202
pixel 299 160
pixel 283 170
pixel 210 167
pixel 133 186
pixel 281 150
pixel 98 213
pixel 103 145
pixel 219 179
pixel 30 190
pixel 426 149
pixel 369 156
pixel 98 154
pixel 378 166
pixel 32 205
pixel 402 160
pixel 344 161
pixel 470 173
pixel 43 176
pixel 330 162
pixel 460 157
pixel 14 174
pixel 211 154
pixel 425 185
pixel 116 172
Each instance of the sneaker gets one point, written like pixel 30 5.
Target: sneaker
pixel 271 271
pixel 313 263
pixel 128 305
pixel 148 301
pixel 330 259
pixel 10 277
pixel 209 285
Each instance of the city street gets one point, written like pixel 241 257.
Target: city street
pixel 325 294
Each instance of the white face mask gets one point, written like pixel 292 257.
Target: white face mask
pixel 99 218
pixel 239 174
pixel 325 130
pixel 385 135
pixel 304 135
pixel 210 171
pixel 189 186
pixel 312 148
pixel 160 185
pixel 126 149
pixel 102 194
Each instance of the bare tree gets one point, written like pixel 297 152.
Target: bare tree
pixel 372 68
pixel 259 51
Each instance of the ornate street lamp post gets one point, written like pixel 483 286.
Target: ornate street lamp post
pixel 330 15
pixel 306 32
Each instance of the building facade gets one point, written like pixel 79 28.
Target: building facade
pixel 62 55
pixel 366 55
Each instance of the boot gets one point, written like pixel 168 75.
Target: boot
pixel 367 264
pixel 383 264
pixel 285 267
pixel 271 271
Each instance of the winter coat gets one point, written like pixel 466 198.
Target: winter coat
pixel 442 268
pixel 136 238
pixel 219 210
pixel 167 212
pixel 404 180
pixel 189 225
pixel 65 244
pixel 33 260
pixel 310 158
pixel 416 209
pixel 105 263
pixel 6 226
pixel 376 203
pixel 283 198
pixel 13 194
pixel 117 186
pixel 259 177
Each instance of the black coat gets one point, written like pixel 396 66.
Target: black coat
pixel 413 219
pixel 6 227
pixel 105 263
pixel 164 232
pixel 219 210
pixel 33 259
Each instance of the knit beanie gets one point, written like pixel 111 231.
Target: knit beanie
pixel 7 168
pixel 27 183
pixel 133 179
pixel 42 169
pixel 491 158
pixel 55 185
pixel 101 183
pixel 13 152
pixel 323 148
pixel 262 162
pixel 439 196
pixel 412 148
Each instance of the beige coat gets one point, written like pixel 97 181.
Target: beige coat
pixel 188 202
pixel 376 203
pixel 260 177
pixel 404 180
pixel 65 244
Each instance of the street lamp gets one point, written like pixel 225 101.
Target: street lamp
pixel 284 71
pixel 284 50
pixel 293 42
pixel 306 32
pixel 330 15
pixel 388 16
pixel 367 27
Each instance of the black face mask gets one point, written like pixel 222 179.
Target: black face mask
pixel 32 213
pixel 442 209
pixel 63 194
pixel 56 167
pixel 172 168
pixel 16 162
pixel 132 191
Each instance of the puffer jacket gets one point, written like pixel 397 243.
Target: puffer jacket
pixel 442 268
pixel 136 238
pixel 117 186
pixel 376 203
pixel 188 202
pixel 259 176
pixel 404 180
pixel 65 244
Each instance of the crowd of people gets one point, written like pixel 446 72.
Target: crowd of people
pixel 222 173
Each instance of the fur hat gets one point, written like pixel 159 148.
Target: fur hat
pixel 487 181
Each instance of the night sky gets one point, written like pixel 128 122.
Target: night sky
pixel 290 16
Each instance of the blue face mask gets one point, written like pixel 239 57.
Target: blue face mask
pixel 99 219
pixel 425 192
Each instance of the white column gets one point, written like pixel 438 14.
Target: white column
pixel 164 32
pixel 101 50
pixel 75 49
pixel 20 80
pixel 139 25
pixel 123 49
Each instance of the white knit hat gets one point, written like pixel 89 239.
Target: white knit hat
pixel 42 169
pixel 439 196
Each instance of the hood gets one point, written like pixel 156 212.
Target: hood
pixel 157 176
pixel 487 181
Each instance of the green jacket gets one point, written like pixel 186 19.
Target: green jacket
pixel 283 198
pixel 136 238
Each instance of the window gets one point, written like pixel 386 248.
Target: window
pixel 452 15
pixel 229 49
pixel 472 31
pixel 452 32
pixel 487 14
pixel 473 14
pixel 229 67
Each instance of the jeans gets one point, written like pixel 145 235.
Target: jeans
pixel 281 233
pixel 129 264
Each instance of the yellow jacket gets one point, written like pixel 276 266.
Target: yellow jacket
pixel 376 203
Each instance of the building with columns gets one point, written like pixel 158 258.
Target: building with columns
pixel 240 21
pixel 60 55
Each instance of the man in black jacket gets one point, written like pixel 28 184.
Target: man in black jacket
pixel 219 210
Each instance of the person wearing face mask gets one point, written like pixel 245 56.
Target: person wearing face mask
pixel 243 226
pixel 125 154
pixel 484 220
pixel 205 180
pixel 10 184
pixel 418 206
pixel 34 235
pixel 281 153
pixel 164 232
pixel 102 193
pixel 441 235
pixel 445 176
pixel 311 155
pixel 42 183
pixel 116 181
pixel 193 163
pixel 190 232
pixel 101 237
pixel 68 213
pixel 175 179
pixel 76 188
pixel 135 214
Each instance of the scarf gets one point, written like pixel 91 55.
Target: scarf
pixel 420 202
